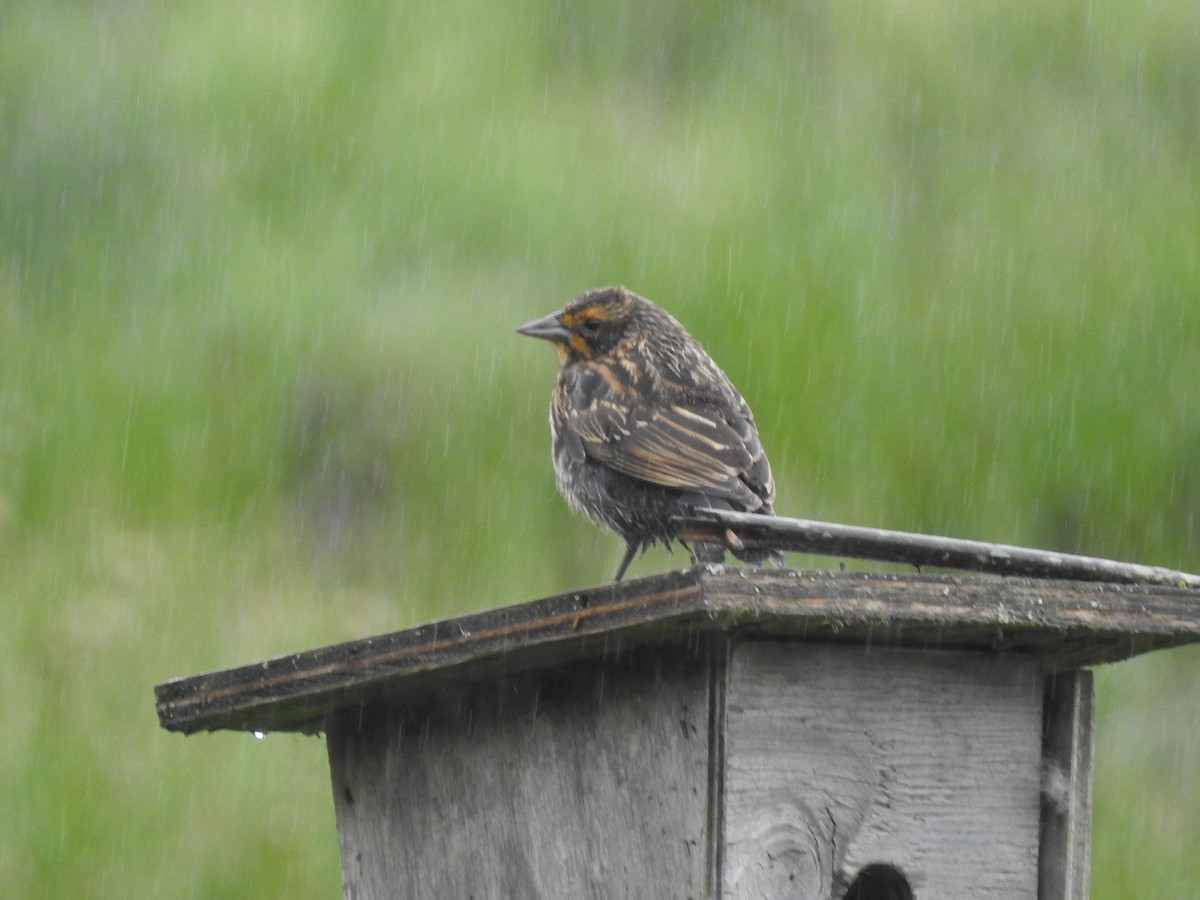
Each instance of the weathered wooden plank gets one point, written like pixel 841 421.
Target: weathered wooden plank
pixel 1070 624
pixel 1064 863
pixel 590 781
pixel 838 757
pixel 298 690
pixel 757 531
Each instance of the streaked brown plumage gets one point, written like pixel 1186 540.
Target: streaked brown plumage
pixel 644 425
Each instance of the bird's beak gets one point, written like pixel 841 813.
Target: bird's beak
pixel 548 328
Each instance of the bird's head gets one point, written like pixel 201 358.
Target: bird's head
pixel 590 325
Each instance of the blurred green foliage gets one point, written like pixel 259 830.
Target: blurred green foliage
pixel 259 391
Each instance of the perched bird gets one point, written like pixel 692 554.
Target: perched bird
pixel 645 426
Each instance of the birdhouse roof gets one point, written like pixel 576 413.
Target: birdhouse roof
pixel 1067 624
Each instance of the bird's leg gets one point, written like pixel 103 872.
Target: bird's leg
pixel 630 550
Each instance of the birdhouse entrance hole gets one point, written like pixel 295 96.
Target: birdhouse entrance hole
pixel 879 881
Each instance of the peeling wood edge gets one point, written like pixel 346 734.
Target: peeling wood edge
pixel 238 697
pixel 1069 623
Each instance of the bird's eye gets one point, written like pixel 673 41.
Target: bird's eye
pixel 591 326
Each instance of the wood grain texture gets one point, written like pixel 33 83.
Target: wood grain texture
pixel 1067 624
pixel 587 782
pixel 762 532
pixel 839 757
pixel 1064 865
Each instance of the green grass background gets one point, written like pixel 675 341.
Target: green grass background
pixel 259 391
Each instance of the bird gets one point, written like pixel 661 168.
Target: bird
pixel 645 426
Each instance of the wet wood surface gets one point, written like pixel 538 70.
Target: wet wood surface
pixel 1066 624
pixel 1066 822
pixel 756 531
pixel 837 759
pixel 589 782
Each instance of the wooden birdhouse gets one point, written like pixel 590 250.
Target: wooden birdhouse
pixel 705 733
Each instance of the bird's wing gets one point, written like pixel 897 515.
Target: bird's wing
pixel 687 446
